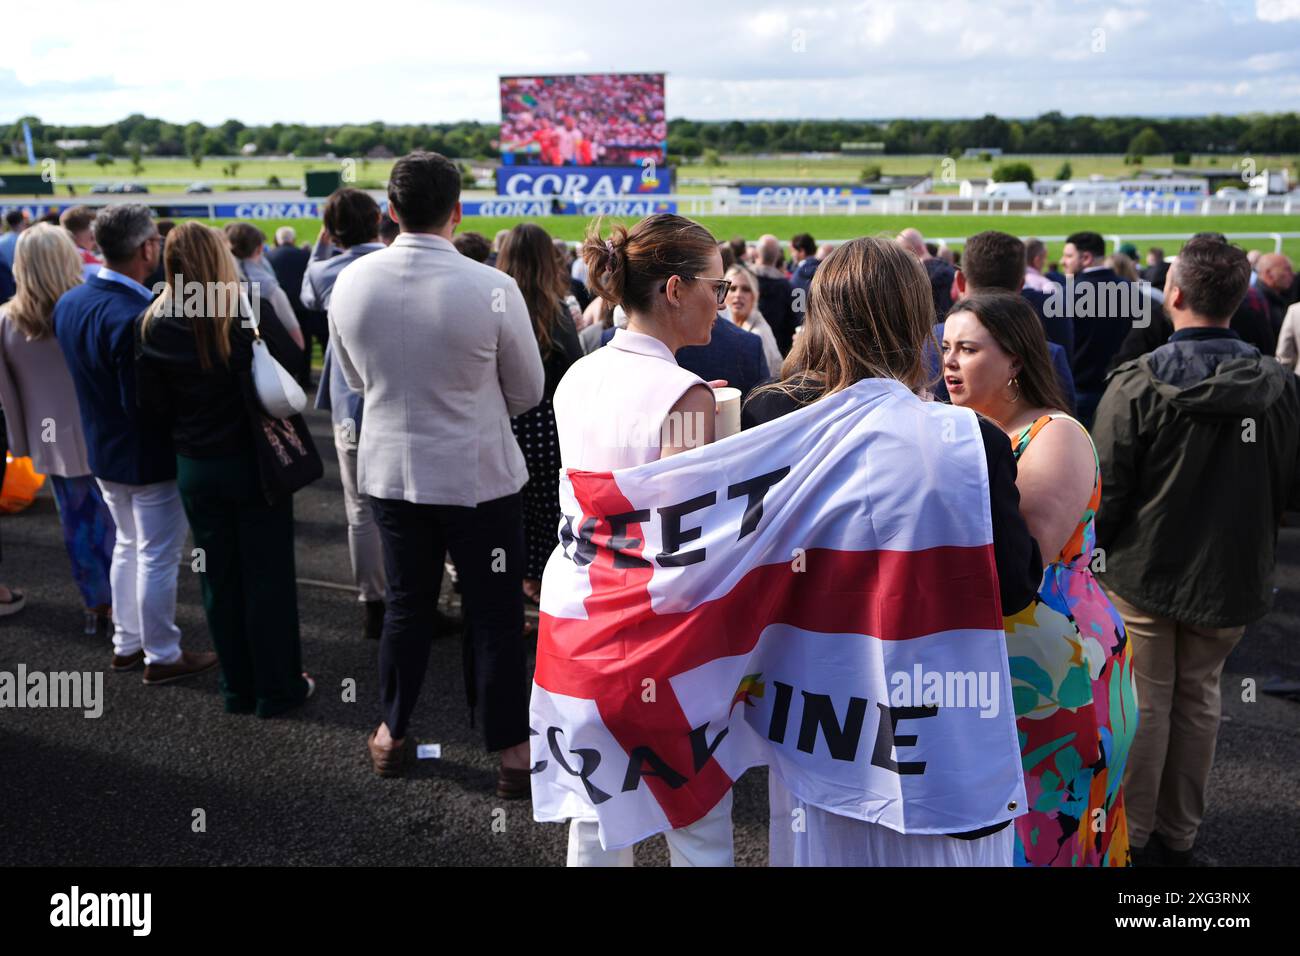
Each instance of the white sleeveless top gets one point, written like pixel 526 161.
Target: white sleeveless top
pixel 611 405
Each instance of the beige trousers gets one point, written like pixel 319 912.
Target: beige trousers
pixel 1177 666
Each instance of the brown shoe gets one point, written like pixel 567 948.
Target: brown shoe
pixel 190 664
pixel 128 663
pixel 389 761
pixel 514 783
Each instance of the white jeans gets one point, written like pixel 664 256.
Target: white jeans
pixel 364 544
pixel 706 842
pixel 151 530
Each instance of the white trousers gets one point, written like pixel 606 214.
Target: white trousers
pixel 151 529
pixel 364 544
pixel 706 842
pixel 804 835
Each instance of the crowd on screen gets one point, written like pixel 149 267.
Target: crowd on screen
pixel 611 119
pixel 1141 428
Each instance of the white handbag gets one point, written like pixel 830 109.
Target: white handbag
pixel 278 393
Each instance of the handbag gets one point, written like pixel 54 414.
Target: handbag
pixel 280 396
pixel 286 455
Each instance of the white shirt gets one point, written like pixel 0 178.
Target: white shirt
pixel 611 405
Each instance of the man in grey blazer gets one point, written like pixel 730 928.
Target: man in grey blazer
pixel 442 350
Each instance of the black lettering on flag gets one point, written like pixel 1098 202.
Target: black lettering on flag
pixel 621 544
pixel 590 761
pixel 584 551
pixel 819 712
pixel 674 535
pixel 756 489
pixel 541 764
pixel 701 749
pixel 780 712
pixel 644 755
pixel 887 739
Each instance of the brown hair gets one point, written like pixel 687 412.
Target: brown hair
pixel 870 312
pixel 993 260
pixel 472 245
pixel 77 218
pixel 1016 328
pixel 627 268
pixel 195 253
pixel 46 265
pixel 530 258
pixel 1213 275
pixel 244 238
pixel 351 217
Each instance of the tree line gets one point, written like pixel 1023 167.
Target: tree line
pixel 1053 132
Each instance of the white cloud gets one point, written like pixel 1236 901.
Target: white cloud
pixel 422 61
pixel 1276 11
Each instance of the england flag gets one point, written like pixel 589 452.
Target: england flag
pixel 817 595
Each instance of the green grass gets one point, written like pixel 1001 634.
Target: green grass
pixel 846 169
pixel 833 169
pixel 833 228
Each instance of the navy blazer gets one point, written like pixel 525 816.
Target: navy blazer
pixel 95 325
pixel 1097 338
pixel 732 354
pixel 1059 326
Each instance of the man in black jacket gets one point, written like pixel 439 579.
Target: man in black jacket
pixel 1103 307
pixel 776 294
pixel 289 262
pixel 1199 445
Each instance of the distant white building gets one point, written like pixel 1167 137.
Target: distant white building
pixel 972 188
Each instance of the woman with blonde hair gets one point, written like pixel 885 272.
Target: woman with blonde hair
pixel 742 308
pixel 41 412
pixel 870 314
pixel 194 362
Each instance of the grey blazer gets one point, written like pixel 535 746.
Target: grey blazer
pixel 443 351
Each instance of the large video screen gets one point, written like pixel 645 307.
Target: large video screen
pixel 589 119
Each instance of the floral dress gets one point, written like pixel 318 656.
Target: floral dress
pixel 1072 684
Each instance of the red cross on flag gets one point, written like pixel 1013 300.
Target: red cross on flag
pixel 818 595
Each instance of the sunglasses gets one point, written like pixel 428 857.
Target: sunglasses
pixel 720 287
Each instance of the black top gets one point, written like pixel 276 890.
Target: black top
pixel 776 302
pixel 206 410
pixel 1020 569
pixel 289 263
pixel 565 350
pixel 1098 337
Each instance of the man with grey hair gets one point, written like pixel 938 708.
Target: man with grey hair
pixel 285 236
pixel 289 263
pixel 1035 262
pixel 941 274
pixel 132 460
pixel 775 293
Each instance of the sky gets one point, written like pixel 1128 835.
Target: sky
pixel 407 61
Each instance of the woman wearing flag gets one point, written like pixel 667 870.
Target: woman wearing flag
pixel 1072 674
pixel 870 314
pixel 630 403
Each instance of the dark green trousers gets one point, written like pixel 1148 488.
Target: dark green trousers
pixel 250 594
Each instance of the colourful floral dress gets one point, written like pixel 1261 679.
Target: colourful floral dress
pixel 1076 706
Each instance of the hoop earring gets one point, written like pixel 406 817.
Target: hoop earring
pixel 1016 383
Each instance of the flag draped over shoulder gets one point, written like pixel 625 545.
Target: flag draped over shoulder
pixel 818 594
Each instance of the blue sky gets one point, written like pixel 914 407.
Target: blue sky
pixel 419 61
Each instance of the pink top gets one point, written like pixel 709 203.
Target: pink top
pixel 611 405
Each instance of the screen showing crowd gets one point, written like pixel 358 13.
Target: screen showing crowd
pixel 590 119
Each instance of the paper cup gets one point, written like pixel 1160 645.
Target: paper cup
pixel 726 420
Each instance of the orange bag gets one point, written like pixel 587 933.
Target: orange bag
pixel 21 484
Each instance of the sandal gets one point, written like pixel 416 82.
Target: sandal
pixel 17 601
